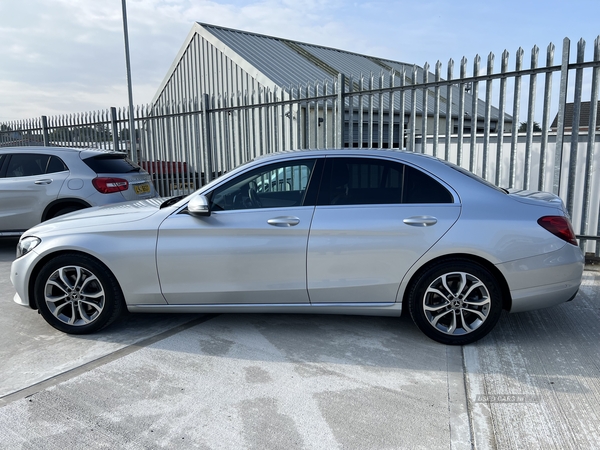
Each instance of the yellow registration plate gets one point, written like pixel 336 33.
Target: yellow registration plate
pixel 142 188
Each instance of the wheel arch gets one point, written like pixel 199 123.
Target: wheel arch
pixel 506 297
pixel 60 203
pixel 42 262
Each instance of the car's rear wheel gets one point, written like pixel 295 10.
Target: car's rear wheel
pixel 455 302
pixel 77 294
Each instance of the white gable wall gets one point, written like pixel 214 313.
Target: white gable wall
pixel 204 64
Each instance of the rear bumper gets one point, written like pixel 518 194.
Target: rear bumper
pixel 544 280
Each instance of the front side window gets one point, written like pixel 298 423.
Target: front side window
pixel 26 165
pixel 273 186
pixel 364 181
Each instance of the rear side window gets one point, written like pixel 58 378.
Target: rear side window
pixel 27 165
pixel 363 181
pixel 421 188
pixel 111 163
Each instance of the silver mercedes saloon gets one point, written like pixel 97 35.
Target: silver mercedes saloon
pixel 370 232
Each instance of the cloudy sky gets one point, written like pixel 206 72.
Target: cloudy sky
pixel 67 56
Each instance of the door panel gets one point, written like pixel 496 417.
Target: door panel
pixel 28 183
pixel 252 248
pixel 360 253
pixel 234 257
pixel 23 199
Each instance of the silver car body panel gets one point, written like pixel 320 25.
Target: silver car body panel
pixel 122 237
pixel 544 280
pixel 359 253
pixel 23 199
pixel 335 257
pixel 250 261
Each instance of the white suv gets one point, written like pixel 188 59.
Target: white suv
pixel 38 183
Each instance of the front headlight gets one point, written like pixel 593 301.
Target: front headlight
pixel 27 244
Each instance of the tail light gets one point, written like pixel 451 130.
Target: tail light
pixel 110 185
pixel 559 226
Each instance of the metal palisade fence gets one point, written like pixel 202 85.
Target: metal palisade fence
pixel 525 128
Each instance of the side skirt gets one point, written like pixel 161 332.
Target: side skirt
pixel 360 309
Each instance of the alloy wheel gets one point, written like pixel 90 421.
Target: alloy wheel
pixel 456 303
pixel 74 295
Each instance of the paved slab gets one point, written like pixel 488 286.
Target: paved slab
pixel 535 381
pixel 263 381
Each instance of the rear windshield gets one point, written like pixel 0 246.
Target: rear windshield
pixel 474 176
pixel 111 163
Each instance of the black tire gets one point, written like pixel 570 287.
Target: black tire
pixel 455 302
pixel 66 210
pixel 77 294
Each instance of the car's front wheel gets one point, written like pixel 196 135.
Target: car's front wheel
pixel 455 302
pixel 77 294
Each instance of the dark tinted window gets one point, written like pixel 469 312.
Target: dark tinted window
pixel 26 165
pixel 111 163
pixel 361 181
pixel 421 188
pixel 55 164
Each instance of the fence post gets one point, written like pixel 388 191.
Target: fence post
pixel 575 129
pixel 115 130
pixel 341 108
pixel 207 141
pixel 560 123
pixel 591 142
pixel 45 131
pixel 412 121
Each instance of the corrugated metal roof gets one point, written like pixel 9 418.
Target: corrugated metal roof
pixel 271 56
pixel 291 63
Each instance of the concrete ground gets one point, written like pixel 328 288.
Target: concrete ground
pixel 299 381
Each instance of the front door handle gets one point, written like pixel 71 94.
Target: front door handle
pixel 44 181
pixel 284 221
pixel 420 221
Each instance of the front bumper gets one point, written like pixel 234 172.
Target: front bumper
pixel 20 273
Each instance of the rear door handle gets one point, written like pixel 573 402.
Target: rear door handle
pixel 420 221
pixel 44 181
pixel 284 221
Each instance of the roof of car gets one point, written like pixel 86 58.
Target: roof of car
pixel 55 150
pixel 406 155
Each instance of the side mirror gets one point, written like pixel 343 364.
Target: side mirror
pixel 199 206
